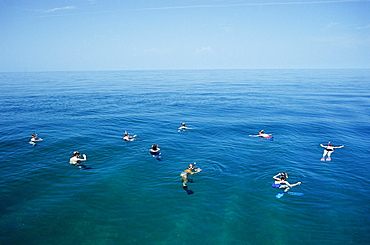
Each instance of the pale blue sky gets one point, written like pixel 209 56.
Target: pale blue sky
pixel 79 35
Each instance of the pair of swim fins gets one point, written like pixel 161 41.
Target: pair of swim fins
pixel 281 194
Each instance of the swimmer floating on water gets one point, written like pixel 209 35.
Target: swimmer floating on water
pixel 262 134
pixel 281 183
pixel 34 139
pixel 329 149
pixel 155 152
pixel 190 170
pixel 183 127
pixel 127 137
pixel 75 160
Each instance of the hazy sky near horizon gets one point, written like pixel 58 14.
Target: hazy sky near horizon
pixel 80 35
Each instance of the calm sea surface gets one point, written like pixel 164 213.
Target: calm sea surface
pixel 128 197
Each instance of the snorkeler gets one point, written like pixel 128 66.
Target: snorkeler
pixel 281 183
pixel 329 149
pixel 183 127
pixel 127 137
pixel 186 172
pixel 263 134
pixel 75 160
pixel 155 150
pixel 34 139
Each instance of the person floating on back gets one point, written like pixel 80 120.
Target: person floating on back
pixel 263 134
pixel 329 149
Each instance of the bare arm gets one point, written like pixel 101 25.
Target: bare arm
pixel 35 139
pixel 183 127
pixel 264 135
pixel 194 171
pixel 276 176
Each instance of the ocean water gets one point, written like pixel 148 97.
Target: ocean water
pixel 129 197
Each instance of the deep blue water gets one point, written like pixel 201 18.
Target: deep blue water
pixel 128 197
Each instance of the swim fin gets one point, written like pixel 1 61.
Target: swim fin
pixel 295 193
pixel 280 195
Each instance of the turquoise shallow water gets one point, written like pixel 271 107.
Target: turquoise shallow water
pixel 128 197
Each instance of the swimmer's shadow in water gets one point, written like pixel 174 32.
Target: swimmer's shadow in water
pixel 190 192
pixel 158 157
pixel 83 167
pixel 31 144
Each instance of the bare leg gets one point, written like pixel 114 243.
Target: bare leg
pixel 329 153
pixel 184 180
pixel 286 187
pixel 325 152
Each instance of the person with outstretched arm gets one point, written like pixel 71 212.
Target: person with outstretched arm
pixel 329 149
pixel 282 183
pixel 127 137
pixel 76 159
pixel 190 170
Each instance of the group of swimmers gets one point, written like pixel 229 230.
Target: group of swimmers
pixel 280 178
pixel 155 151
pixel 76 159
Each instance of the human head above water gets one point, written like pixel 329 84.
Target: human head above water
pixel 76 153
